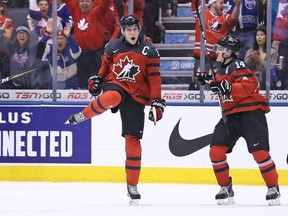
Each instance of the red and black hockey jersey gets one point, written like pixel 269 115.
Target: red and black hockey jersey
pixel 245 94
pixel 134 68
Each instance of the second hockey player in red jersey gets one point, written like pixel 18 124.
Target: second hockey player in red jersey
pixel 130 79
pixel 245 109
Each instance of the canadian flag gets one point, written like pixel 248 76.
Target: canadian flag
pixel 280 30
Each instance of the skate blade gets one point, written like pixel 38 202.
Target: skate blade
pixel 134 202
pixel 274 202
pixel 227 201
pixel 67 122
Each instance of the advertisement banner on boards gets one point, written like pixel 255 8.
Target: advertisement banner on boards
pixel 37 134
pixel 171 96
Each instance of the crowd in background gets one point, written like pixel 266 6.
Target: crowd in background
pixel 250 28
pixel 93 23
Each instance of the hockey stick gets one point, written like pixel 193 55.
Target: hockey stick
pixel 154 115
pixel 39 53
pixel 7 79
pixel 209 56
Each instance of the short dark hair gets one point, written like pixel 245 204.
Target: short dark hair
pixel 43 0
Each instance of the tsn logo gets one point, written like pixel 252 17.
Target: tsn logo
pixel 15 117
pixel 36 95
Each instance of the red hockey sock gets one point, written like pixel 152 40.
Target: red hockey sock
pixel 220 165
pixel 267 167
pixel 107 100
pixel 133 159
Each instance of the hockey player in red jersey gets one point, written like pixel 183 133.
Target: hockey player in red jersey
pixel 130 79
pixel 245 109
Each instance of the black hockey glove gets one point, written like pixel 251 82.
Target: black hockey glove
pixel 157 109
pixel 203 76
pixel 95 85
pixel 223 87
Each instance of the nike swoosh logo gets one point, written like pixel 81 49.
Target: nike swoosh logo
pixel 181 147
pixel 114 51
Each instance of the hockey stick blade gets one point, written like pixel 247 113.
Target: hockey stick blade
pixel 7 79
pixel 39 54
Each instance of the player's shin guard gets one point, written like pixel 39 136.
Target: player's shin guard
pixel 221 170
pixel 268 171
pixel 107 100
pixel 220 165
pixel 133 166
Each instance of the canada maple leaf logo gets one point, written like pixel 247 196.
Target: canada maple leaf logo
pixel 83 25
pixel 126 70
pixel 215 26
pixel 284 12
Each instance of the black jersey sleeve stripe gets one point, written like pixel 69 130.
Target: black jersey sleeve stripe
pixel 153 65
pixel 154 74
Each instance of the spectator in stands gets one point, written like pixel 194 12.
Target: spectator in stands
pixel 122 6
pixel 217 25
pixel 256 58
pixel 280 38
pixel 63 13
pixel 22 56
pixel 247 24
pixel 110 21
pixel 39 15
pixel 68 51
pixel 16 3
pixel 4 57
pixel 151 17
pixel 88 32
pixel 275 5
pixel 38 18
pixel 8 31
pixel 280 27
pixel 262 11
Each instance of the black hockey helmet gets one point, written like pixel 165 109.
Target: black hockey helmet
pixel 230 43
pixel 129 20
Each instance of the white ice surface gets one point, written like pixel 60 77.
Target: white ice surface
pixel 105 199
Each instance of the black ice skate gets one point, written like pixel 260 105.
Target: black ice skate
pixel 273 196
pixel 133 194
pixel 76 118
pixel 225 195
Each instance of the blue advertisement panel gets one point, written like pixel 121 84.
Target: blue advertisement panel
pixel 177 65
pixel 37 134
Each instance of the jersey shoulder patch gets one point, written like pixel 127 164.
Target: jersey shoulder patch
pixel 149 50
pixel 113 46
